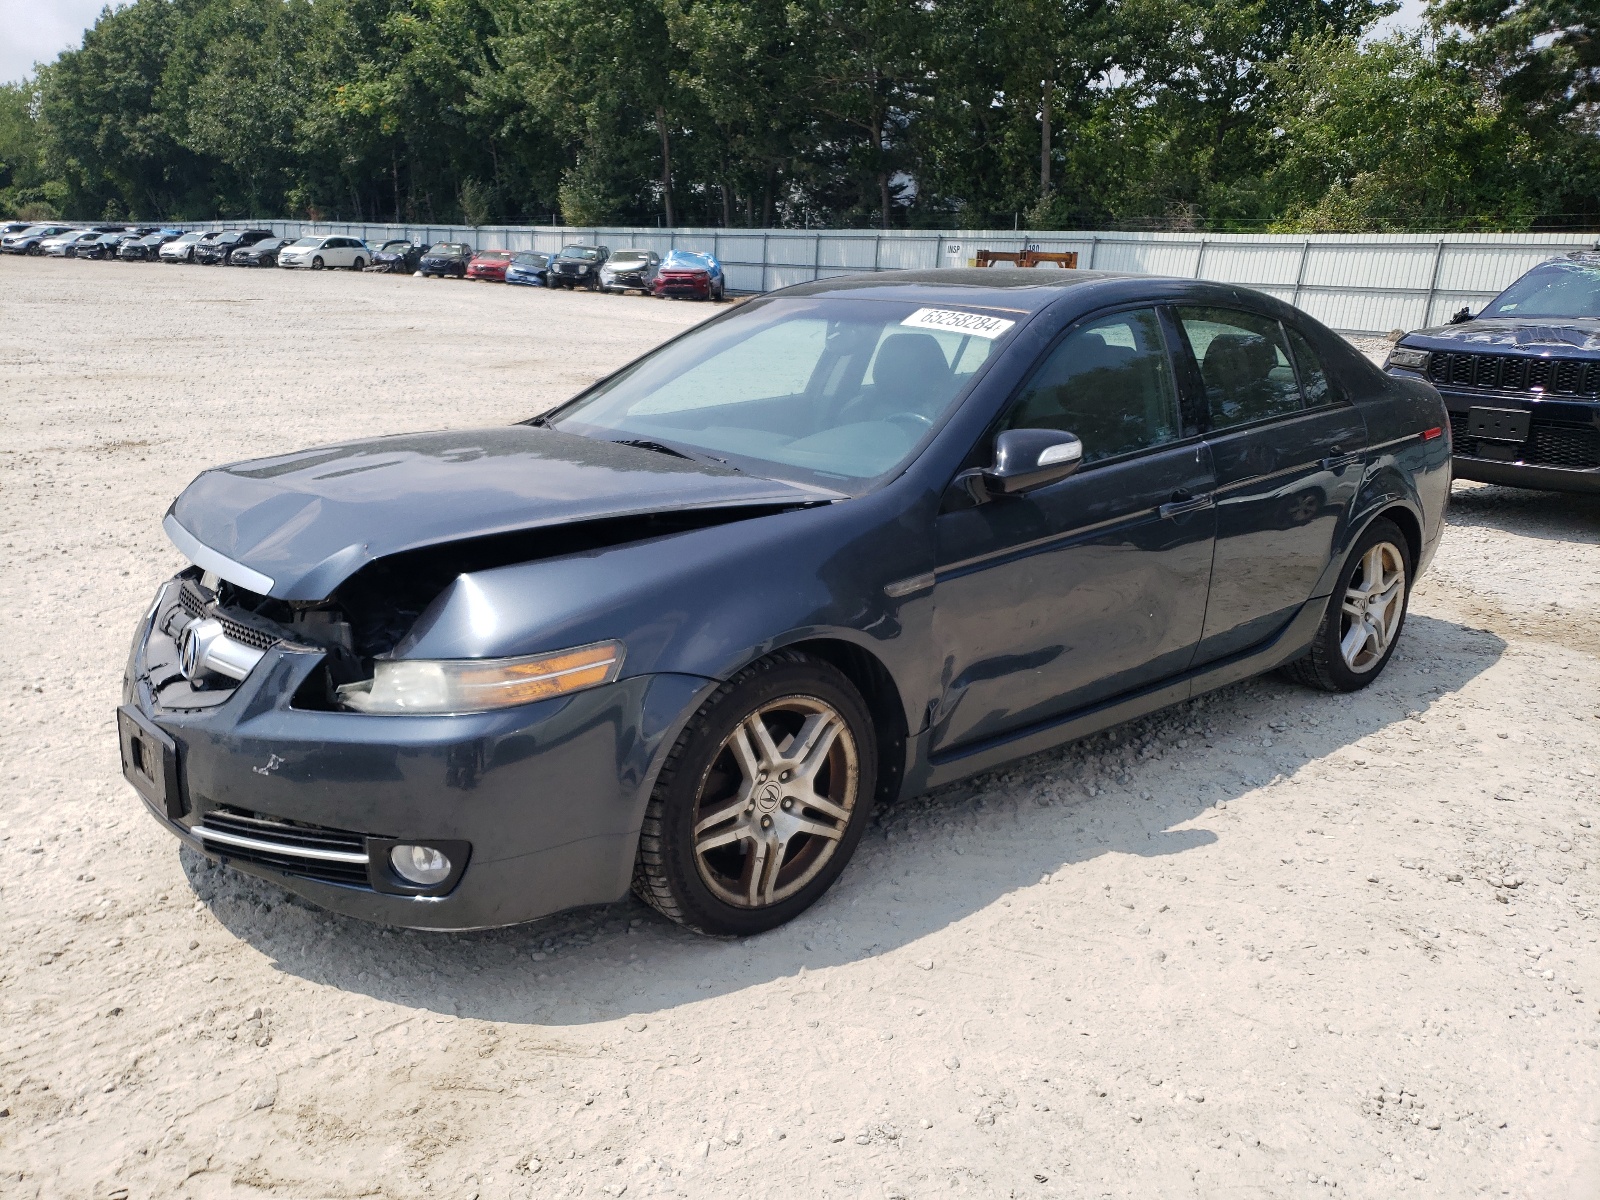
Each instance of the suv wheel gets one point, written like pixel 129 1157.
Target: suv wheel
pixel 762 799
pixel 1366 613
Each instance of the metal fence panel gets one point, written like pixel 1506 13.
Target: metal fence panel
pixel 1359 283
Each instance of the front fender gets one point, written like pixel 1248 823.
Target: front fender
pixel 709 601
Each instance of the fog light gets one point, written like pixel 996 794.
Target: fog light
pixel 421 865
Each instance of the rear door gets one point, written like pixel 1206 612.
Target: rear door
pixel 1070 594
pixel 1289 454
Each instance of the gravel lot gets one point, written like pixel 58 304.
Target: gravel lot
pixel 1271 943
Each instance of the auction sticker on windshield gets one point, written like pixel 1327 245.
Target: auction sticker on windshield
pixel 958 322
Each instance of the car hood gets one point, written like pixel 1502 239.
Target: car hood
pixel 1534 335
pixel 298 525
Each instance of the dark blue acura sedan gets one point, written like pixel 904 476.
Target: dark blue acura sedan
pixel 843 543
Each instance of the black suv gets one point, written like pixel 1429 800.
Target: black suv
pixel 215 249
pixel 578 265
pixel 1521 379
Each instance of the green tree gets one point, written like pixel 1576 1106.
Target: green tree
pixel 1386 136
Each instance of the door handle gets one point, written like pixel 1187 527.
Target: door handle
pixel 1340 460
pixel 1182 503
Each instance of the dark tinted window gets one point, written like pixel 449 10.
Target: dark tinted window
pixel 1313 379
pixel 1244 364
pixel 1109 382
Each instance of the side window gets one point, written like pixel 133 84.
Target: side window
pixel 1244 364
pixel 1313 379
pixel 1109 382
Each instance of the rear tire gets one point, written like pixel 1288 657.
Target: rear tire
pixel 359 263
pixel 1365 614
pixel 762 799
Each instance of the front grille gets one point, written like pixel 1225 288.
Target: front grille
pixel 1565 446
pixel 311 851
pixel 194 604
pixel 1516 373
pixel 1550 443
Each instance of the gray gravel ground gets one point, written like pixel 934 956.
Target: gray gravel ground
pixel 1270 943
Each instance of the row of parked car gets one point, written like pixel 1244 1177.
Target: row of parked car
pixel 681 273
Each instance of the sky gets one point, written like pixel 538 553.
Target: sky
pixel 38 30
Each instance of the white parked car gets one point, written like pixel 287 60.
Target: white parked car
pixel 181 249
pixel 325 251
pixel 65 245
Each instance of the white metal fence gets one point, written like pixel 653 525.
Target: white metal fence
pixel 1358 283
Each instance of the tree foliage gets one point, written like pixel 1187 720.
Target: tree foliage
pixel 1132 113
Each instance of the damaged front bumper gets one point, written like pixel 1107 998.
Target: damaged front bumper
pixel 538 807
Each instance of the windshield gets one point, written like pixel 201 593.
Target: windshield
pixel 528 260
pixel 687 260
pixel 1555 289
pixel 496 255
pixel 35 230
pixel 189 239
pixel 307 243
pixel 828 391
pixel 587 253
pixel 444 250
pixel 625 257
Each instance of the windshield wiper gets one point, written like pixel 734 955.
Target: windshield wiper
pixel 663 448
pixel 658 447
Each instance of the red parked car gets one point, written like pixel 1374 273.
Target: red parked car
pixel 689 275
pixel 490 265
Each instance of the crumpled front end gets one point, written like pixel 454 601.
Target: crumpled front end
pixel 231 732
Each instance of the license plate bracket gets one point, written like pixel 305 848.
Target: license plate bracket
pixel 150 762
pixel 1499 424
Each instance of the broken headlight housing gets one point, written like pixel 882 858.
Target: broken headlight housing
pixel 465 685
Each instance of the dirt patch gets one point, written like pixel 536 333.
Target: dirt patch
pixel 1270 943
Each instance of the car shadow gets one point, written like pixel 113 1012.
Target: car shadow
pixel 926 863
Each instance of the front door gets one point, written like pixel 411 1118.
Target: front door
pixel 1095 585
pixel 1289 456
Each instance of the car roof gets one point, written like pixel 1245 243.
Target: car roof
pixel 1030 289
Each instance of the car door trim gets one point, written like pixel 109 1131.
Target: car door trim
pixel 1177 508
pixel 994 558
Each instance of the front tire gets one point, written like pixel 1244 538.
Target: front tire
pixel 316 263
pixel 1367 611
pixel 761 801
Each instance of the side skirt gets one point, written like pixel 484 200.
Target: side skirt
pixel 925 771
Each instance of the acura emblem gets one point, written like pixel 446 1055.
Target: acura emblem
pixel 189 650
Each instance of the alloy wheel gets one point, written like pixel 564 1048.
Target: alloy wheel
pixel 775 802
pixel 1374 603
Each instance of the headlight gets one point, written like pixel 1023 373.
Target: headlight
pixel 1411 360
pixel 463 685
